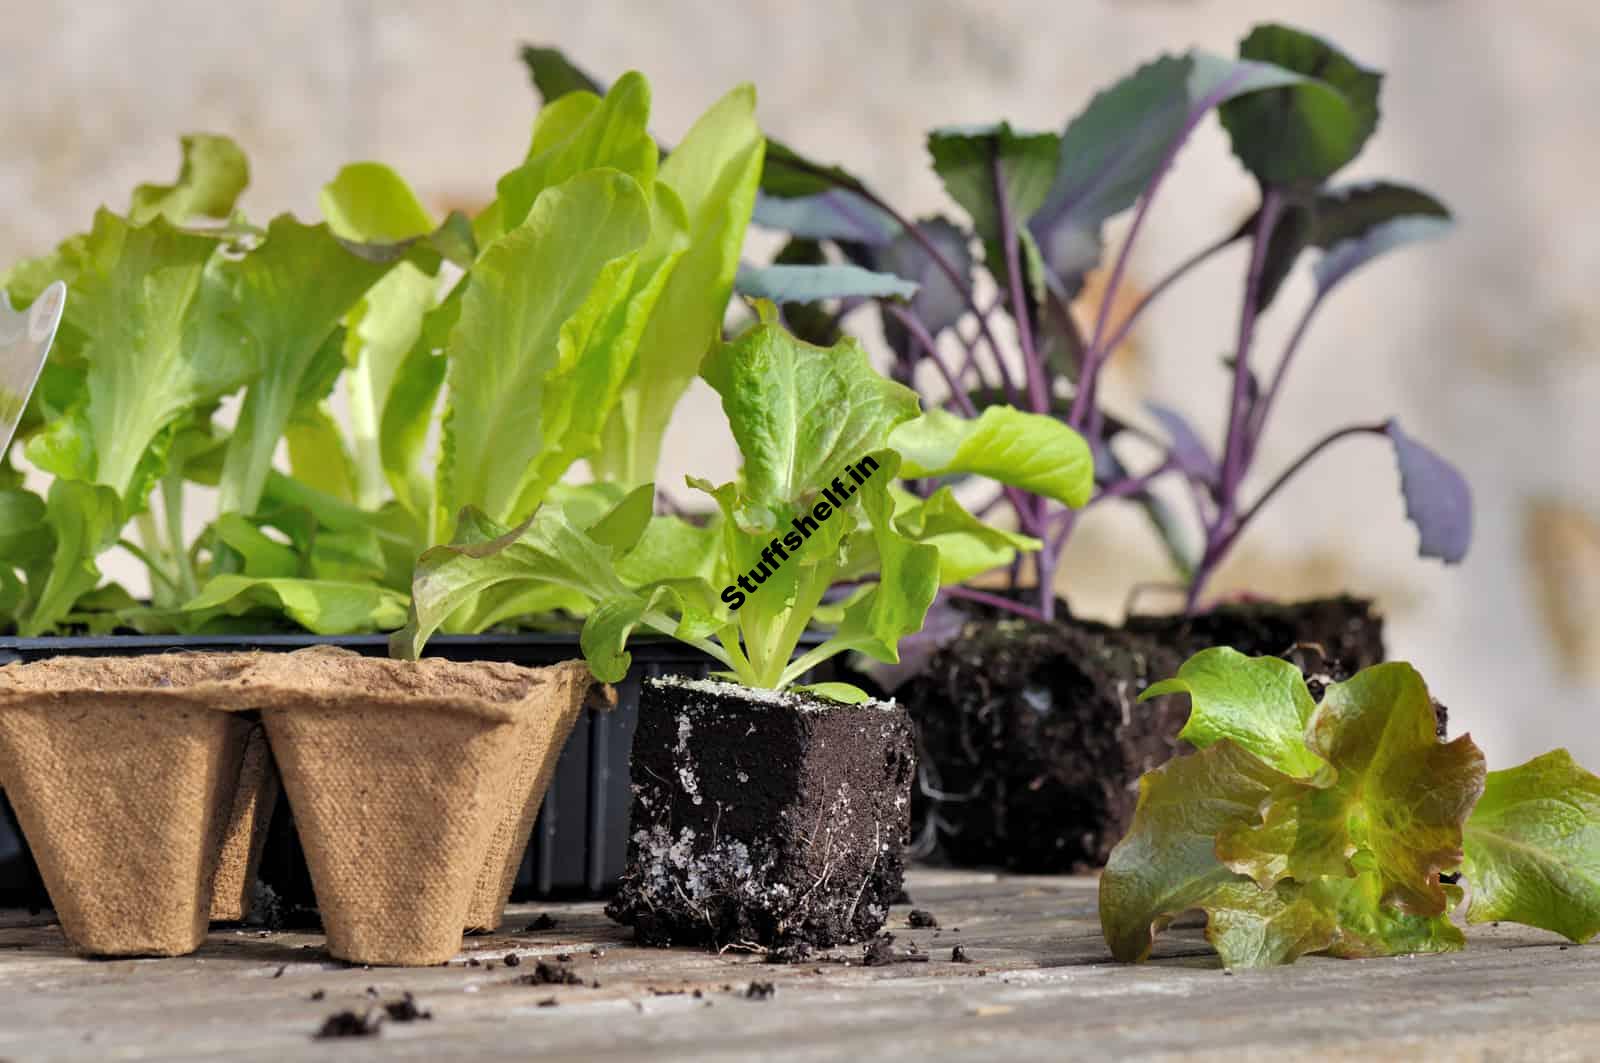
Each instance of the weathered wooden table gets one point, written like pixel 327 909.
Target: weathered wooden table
pixel 1038 985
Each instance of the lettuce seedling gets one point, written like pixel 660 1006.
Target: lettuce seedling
pixel 1302 827
pixel 1297 111
pixel 813 506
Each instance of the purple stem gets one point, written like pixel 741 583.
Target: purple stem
pixel 1235 458
pixel 919 332
pixel 948 268
pixel 1177 274
pixel 1223 541
pixel 1038 393
pixel 1094 358
pixel 1258 420
pixel 996 601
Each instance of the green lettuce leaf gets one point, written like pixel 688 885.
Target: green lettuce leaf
pixel 214 173
pixel 535 367
pixel 1032 451
pixel 1533 847
pixel 714 172
pixel 577 134
pixel 1254 927
pixel 1261 703
pixel 323 607
pixel 1167 862
pixel 83 519
pixel 1400 794
pixel 291 293
pixel 1367 927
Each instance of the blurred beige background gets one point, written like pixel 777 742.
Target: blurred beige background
pixel 1487 346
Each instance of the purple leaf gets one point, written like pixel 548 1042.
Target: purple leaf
pixel 1188 450
pixel 1438 500
pixel 1346 257
pixel 834 215
pixel 938 304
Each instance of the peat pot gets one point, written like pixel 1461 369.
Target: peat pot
pixel 763 819
pixel 578 843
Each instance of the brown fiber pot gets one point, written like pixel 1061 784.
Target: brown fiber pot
pixel 414 786
pixel 124 776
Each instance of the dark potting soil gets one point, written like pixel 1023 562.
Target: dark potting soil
pixel 1031 740
pixel 763 820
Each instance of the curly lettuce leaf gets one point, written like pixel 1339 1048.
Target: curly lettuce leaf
pixel 1261 703
pixel 799 413
pixel 214 173
pixel 1400 795
pixel 1167 862
pixel 1533 847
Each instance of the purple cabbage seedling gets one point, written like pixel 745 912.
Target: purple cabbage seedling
pixel 1296 109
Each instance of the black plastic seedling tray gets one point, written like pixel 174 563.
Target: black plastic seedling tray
pixel 580 842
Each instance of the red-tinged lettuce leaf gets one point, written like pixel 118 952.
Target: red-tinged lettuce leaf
pixel 1260 703
pixel 1533 847
pixel 1438 498
pixel 1366 927
pixel 1254 927
pixel 1400 796
pixel 1167 862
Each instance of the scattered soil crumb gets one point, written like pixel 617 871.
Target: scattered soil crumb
pixel 549 1002
pixel 405 1010
pixel 372 990
pixel 551 974
pixel 279 972
pixel 544 921
pixel 798 952
pixel 474 962
pixel 880 952
pixel 760 991
pixel 921 919
pixel 563 957
pixel 959 955
pixel 321 994
pixel 597 953
pixel 348 1024
pixel 513 960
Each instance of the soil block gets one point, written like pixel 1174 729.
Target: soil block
pixel 413 787
pixel 1031 739
pixel 763 819
pixel 124 774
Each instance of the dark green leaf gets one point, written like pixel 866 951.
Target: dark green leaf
pixel 1302 133
pixel 554 75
